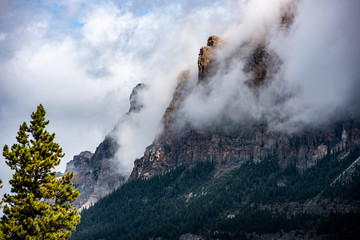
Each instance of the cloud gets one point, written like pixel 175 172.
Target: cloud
pixel 318 79
pixel 171 44
pixel 81 59
pixel 320 59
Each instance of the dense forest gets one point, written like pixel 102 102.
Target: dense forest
pixel 253 198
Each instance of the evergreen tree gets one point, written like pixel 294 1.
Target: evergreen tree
pixel 41 205
pixel 1 231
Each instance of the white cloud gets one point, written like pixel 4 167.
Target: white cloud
pixel 320 59
pixel 318 80
pixel 84 74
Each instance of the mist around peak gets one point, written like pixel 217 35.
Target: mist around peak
pixel 315 79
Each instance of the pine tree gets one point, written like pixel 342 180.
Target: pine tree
pixel 1 231
pixel 40 207
pixel 2 236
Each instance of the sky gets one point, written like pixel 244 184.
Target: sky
pixel 81 59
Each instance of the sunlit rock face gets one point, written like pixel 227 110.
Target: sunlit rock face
pixel 206 57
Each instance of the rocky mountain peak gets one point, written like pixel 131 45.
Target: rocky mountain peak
pixel 213 41
pixel 135 103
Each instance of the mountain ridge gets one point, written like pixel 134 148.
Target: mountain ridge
pixel 97 174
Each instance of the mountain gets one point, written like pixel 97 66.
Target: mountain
pixel 97 174
pixel 231 178
pixel 236 181
pixel 229 144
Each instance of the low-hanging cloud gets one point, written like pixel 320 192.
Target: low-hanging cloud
pixel 321 60
pixel 182 32
pixel 319 74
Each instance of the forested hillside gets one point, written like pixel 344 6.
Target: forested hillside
pixel 251 200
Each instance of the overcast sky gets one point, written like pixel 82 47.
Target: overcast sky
pixel 81 59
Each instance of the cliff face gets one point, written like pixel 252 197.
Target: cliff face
pixel 248 143
pixel 96 175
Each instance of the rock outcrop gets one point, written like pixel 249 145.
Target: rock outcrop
pixel 206 57
pixel 190 236
pixel 95 175
pixel 135 104
pixel 263 65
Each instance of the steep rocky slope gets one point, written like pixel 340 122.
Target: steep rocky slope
pixel 96 175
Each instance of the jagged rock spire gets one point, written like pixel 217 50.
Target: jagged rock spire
pixel 206 54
